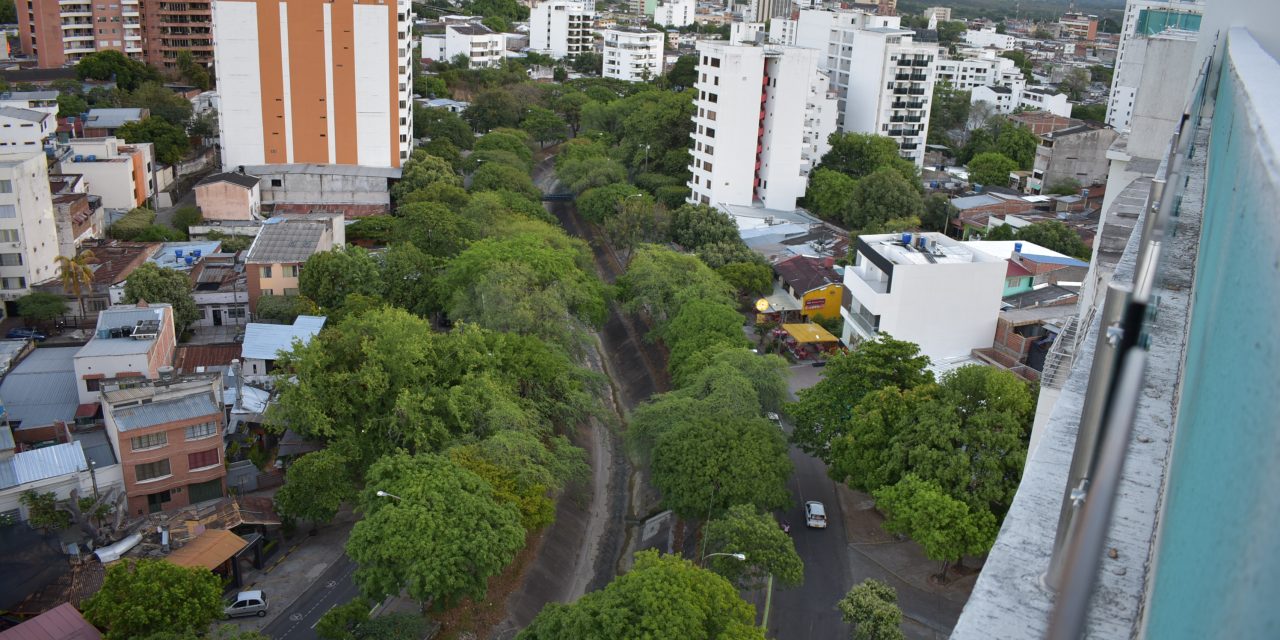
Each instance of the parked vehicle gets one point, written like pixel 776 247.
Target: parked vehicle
pixel 815 515
pixel 774 418
pixel 26 333
pixel 248 603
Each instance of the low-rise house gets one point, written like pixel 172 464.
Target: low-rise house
pixel 62 622
pixel 263 343
pixel 25 129
pixel 130 343
pixel 1076 153
pixel 813 283
pixel 78 218
pixel 113 261
pixel 169 434
pixel 229 196
pixel 121 174
pixel 46 101
pixel 465 36
pixel 102 123
pixel 281 248
pixel 28 229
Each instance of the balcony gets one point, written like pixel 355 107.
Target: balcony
pixel 918 77
pixel 920 63
pixel 900 91
pixel 915 92
pixel 867 288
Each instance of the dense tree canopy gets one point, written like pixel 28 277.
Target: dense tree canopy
pixel 769 550
pixel 945 527
pixel 154 284
pixel 171 140
pixel 328 277
pixel 146 596
pixel 315 487
pixel 991 169
pixel 872 608
pixel 882 196
pixel 1050 234
pixel 661 597
pixel 113 65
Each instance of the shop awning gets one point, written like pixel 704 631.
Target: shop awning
pixel 209 549
pixel 808 333
pixel 87 410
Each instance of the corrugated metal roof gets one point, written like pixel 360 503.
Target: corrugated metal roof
pixel 287 241
pixel 19 113
pixel 265 341
pixel 112 118
pixel 6 438
pixel 62 622
pixel 41 390
pixel 38 464
pixel 154 413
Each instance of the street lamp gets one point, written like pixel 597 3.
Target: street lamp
pixel 383 494
pixel 737 556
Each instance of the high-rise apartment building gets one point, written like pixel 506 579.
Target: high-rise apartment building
pixel 1078 26
pixel 633 54
pixel 58 32
pixel 883 78
pixel 778 93
pixel 674 13
pixel 561 28
pixel 306 82
pixel 28 237
pixel 1150 28
pixel 169 27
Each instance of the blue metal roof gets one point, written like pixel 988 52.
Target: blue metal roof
pixel 39 464
pixel 166 411
pixel 1063 260
pixel 266 341
pixel 41 390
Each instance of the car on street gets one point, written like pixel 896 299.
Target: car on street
pixel 26 333
pixel 248 603
pixel 815 515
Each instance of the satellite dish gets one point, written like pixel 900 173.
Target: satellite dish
pixel 762 305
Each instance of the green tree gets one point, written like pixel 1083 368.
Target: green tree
pixel 600 203
pixel 1052 234
pixel 422 171
pixel 1064 187
pixel 938 210
pixel 408 275
pixel 661 597
pixel 543 125
pixel 1075 83
pixel 170 140
pixel 703 467
pixel 659 280
pixel 442 124
pixel 830 193
pixel 162 103
pixel 1096 112
pixel 695 225
pixel 748 278
pixel 822 411
pixel 435 229
pixel 76 276
pixel 439 539
pixel 882 196
pixel 944 526
pixel 315 487
pixel 513 141
pixel 493 176
pixel 342 621
pixel 185 217
pixel 949 109
pixel 285 309
pixel 194 72
pixel 8 13
pixel 146 596
pixel 1100 73
pixel 683 73
pixel 871 607
pixel 991 169
pixel 155 284
pixel 1017 143
pixel 113 65
pixel 492 109
pixel 769 550
pixel 222 632
pixel 40 306
pixel 951 31
pixel 524 471
pixel 329 277
pixel 638 221
pixel 69 104
pixel 861 154
pixel 43 512
pixel 587 62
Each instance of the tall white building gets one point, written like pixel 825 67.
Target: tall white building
pixel 304 82
pixel 924 288
pixel 632 54
pixel 779 94
pixel 882 77
pixel 1150 26
pixel 674 13
pixel 561 28
pixel 985 69
pixel 28 237
pixel 745 32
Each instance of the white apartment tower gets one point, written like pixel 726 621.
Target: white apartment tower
pixel 28 237
pixel 561 28
pixel 779 94
pixel 674 13
pixel 632 54
pixel 1144 21
pixel 306 82
pixel 882 77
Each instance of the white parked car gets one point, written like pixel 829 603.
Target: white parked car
pixel 774 418
pixel 815 515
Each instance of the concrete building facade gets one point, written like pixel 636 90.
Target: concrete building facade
pixel 308 82
pixel 1077 153
pixel 277 254
pixel 631 53
pixel 465 36
pixel 129 343
pixel 229 196
pixel 674 13
pixel 561 28
pixel 28 233
pixel 924 288
pixel 780 94
pixel 25 129
pixel 60 32
pixel 1147 22
pixel 983 70
pixel 123 175
pixel 172 26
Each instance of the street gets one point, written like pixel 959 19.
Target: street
pixel 334 587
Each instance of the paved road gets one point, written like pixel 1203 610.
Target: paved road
pixel 809 611
pixel 334 587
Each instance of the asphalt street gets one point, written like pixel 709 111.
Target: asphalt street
pixel 334 587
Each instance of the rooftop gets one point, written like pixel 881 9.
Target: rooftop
pixel 28 95
pixel 41 390
pixel 940 249
pixel 199 403
pixel 471 29
pixel 114 260
pixel 266 341
pixel 804 274
pixel 126 329
pixel 322 169
pixel 173 255
pixel 39 464
pixel 188 358
pixel 113 118
pixel 234 177
pixel 283 240
pixel 19 113
pixel 62 622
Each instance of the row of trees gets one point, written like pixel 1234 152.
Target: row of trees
pixel 865 185
pixel 943 457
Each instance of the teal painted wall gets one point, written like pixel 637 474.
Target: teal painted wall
pixel 1020 285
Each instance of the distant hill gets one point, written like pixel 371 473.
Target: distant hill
pixel 1033 9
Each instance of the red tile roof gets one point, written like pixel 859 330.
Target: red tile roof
pixel 804 274
pixel 187 358
pixel 1015 270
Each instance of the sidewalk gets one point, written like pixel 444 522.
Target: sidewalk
pixel 288 574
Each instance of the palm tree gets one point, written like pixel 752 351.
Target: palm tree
pixel 76 275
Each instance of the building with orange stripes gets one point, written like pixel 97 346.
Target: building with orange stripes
pixel 308 82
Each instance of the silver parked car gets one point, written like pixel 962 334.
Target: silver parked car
pixel 248 603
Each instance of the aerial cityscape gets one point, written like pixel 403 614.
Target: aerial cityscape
pixel 639 319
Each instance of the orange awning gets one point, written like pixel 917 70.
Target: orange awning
pixel 209 550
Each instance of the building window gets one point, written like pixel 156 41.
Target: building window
pixel 148 441
pixel 202 431
pixel 151 470
pixel 92 384
pixel 6 186
pixel 235 312
pixel 13 283
pixel 291 270
pixel 266 272
pixel 10 259
pixel 715 62
pixel 277 182
pixel 290 292
pixel 268 292
pixel 202 459
pixel 8 211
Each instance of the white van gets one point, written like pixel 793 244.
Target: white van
pixel 248 603
pixel 815 515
